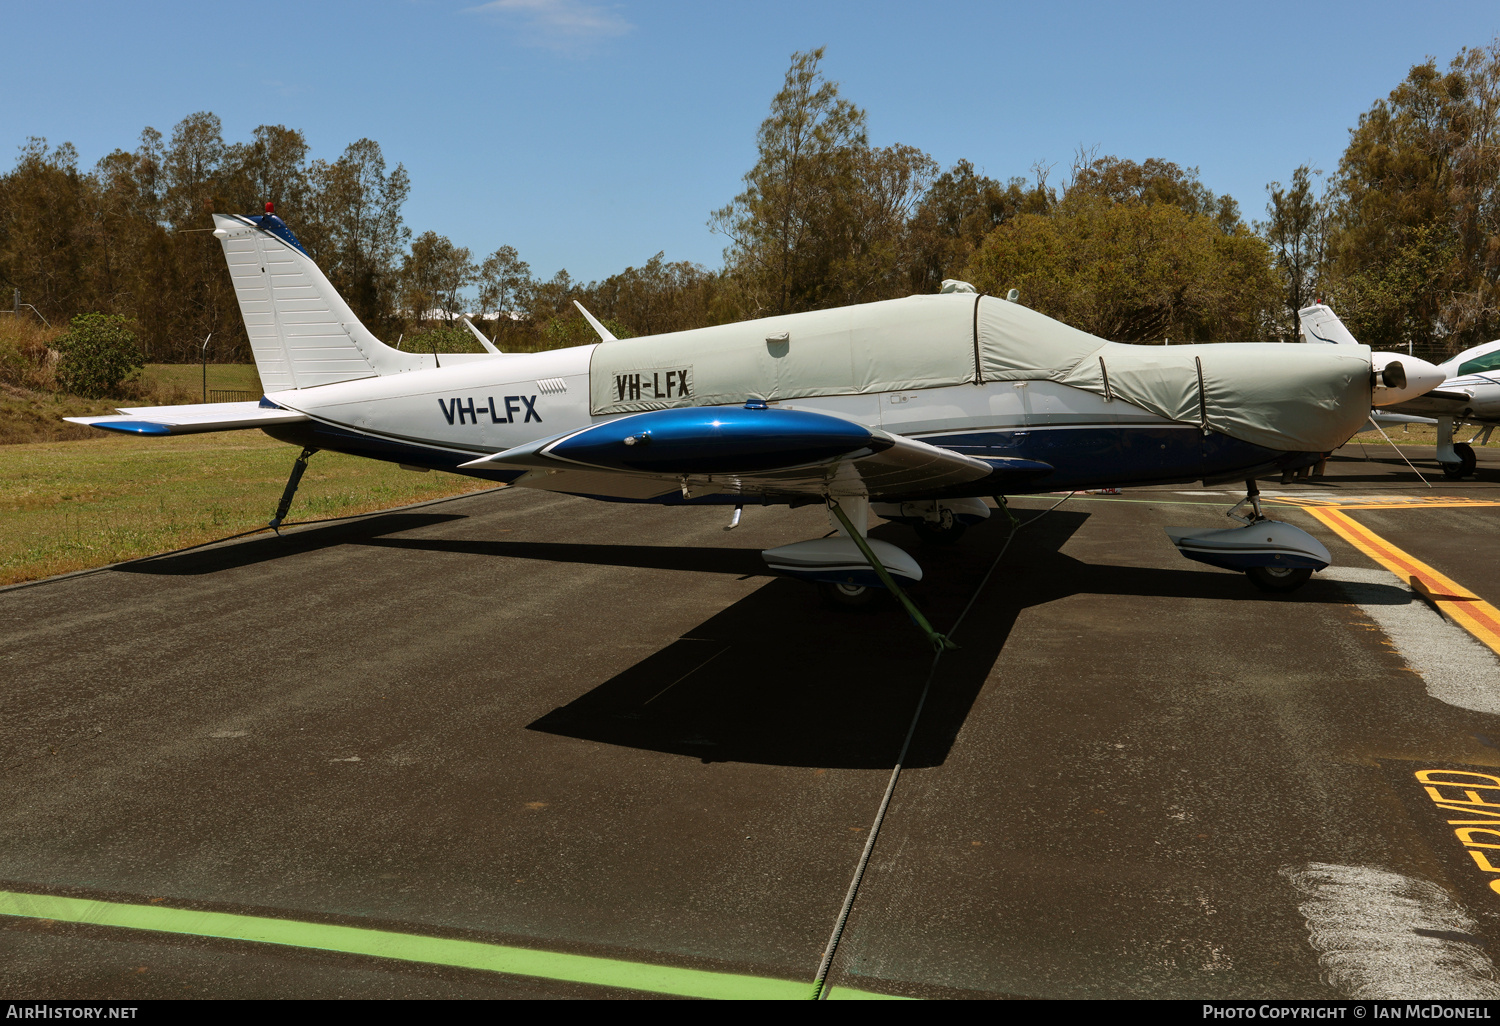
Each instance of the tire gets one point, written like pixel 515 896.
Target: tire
pixel 1278 578
pixel 940 534
pixel 850 596
pixel 1467 460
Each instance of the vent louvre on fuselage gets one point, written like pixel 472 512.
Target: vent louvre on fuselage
pixel 551 386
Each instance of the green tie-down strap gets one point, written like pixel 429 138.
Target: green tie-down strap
pixel 940 642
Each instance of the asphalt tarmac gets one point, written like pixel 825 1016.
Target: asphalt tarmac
pixel 553 724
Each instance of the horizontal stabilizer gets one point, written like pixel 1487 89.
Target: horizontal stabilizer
pixel 194 419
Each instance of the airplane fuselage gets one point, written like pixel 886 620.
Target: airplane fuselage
pixel 443 417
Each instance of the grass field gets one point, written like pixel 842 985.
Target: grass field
pixel 73 505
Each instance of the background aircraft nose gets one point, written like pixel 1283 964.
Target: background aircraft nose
pixel 1399 377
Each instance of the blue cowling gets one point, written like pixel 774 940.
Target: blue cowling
pixel 716 440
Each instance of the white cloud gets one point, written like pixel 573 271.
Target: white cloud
pixel 559 24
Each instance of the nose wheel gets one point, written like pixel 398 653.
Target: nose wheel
pixel 1278 578
pixel 1467 461
pixel 850 596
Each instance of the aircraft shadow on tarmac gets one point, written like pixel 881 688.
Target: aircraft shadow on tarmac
pixel 741 562
pixel 212 559
pixel 778 679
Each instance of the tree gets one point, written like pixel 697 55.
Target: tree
pixel 433 275
pixel 796 193
pixel 442 338
pixel 1130 271
pixel 960 208
pixel 131 236
pixel 1156 181
pixel 43 206
pixel 1297 234
pixel 659 296
pixel 192 163
pixel 871 243
pixel 503 279
pixel 1414 246
pixel 354 229
pixel 272 167
pixel 97 355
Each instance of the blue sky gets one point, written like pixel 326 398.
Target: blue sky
pixel 590 135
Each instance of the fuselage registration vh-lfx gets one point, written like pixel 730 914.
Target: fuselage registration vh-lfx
pixel 914 409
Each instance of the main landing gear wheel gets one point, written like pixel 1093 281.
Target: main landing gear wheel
pixel 946 532
pixel 1278 578
pixel 850 596
pixel 1467 462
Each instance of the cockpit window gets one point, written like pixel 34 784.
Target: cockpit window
pixel 1487 362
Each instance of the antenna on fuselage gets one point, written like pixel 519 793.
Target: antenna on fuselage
pixel 604 333
pixel 488 345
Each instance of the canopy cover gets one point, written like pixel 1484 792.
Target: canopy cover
pixel 1287 397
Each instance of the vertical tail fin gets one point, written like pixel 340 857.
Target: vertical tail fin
pixel 1321 324
pixel 302 333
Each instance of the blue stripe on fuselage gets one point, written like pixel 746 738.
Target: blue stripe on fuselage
pixel 1095 457
pixel 1084 457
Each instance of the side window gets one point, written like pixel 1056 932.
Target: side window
pixel 1487 362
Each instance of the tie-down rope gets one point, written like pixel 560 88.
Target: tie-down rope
pixel 819 991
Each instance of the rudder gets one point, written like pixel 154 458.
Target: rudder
pixel 1321 324
pixel 301 331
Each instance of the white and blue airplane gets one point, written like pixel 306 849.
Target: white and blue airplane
pixel 914 409
pixel 1464 389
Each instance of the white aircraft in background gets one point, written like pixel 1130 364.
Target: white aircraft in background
pixel 1464 389
pixel 914 409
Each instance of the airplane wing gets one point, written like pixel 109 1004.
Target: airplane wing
pixel 1439 402
pixel 751 450
pixel 188 420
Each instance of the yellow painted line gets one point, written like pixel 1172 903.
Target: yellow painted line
pixel 410 947
pixel 1409 505
pixel 1453 600
pixel 1385 502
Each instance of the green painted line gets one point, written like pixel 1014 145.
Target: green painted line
pixel 411 947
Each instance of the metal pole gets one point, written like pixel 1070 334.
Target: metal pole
pixel 205 366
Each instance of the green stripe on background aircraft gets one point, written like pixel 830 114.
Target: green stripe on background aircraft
pixel 914 409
